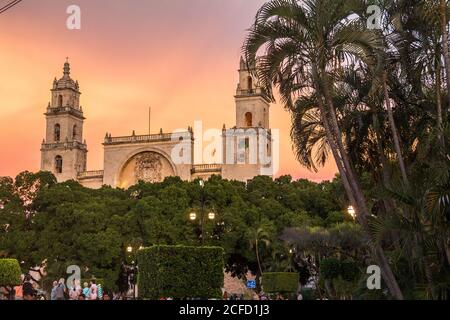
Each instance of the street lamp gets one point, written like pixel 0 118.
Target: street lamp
pixel 129 249
pixel 352 212
pixel 211 215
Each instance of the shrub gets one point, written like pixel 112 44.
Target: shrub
pixel 333 268
pixel 349 270
pixel 180 272
pixel 280 282
pixel 330 268
pixel 10 272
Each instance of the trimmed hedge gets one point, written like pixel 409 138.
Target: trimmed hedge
pixel 280 282
pixel 10 272
pixel 180 272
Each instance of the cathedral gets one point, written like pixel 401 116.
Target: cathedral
pixel 244 151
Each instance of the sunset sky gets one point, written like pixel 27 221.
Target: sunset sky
pixel 178 56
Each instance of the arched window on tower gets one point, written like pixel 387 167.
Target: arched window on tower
pixel 250 84
pixel 248 119
pixel 57 132
pixel 74 133
pixel 58 164
pixel 60 101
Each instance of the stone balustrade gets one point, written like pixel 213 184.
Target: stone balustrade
pixel 65 145
pixel 91 174
pixel 68 109
pixel 161 137
pixel 247 92
pixel 207 168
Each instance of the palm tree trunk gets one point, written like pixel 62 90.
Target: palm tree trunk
pixel 439 98
pixel 438 93
pixel 257 256
pixel 351 184
pixel 444 22
pixel 394 131
pixel 383 160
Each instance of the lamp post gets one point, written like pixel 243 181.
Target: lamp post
pixel 132 271
pixel 211 215
pixel 352 212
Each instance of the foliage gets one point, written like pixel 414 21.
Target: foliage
pixel 71 225
pixel 9 272
pixel 280 282
pixel 180 272
pixel 330 268
pixel 377 101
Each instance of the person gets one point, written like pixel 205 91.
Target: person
pixel 86 290
pixel 300 296
pixel 93 291
pixel 29 293
pixel 53 293
pixel 81 297
pixel 100 291
pixel 225 295
pixel 74 291
pixel 61 290
pixel 10 293
pixel 122 282
pixel 106 296
pixel 19 293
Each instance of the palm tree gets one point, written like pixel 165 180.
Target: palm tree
pixel 304 44
pixel 259 235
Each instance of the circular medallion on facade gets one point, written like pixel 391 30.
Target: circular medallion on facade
pixel 147 166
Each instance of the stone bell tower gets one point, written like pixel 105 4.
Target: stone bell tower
pixel 247 147
pixel 63 151
pixel 252 105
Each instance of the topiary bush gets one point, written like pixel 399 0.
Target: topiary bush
pixel 10 272
pixel 280 282
pixel 180 272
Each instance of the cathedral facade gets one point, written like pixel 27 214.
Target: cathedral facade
pixel 245 150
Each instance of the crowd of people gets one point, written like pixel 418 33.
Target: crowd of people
pixel 60 291
pixel 90 291
pixel 93 291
